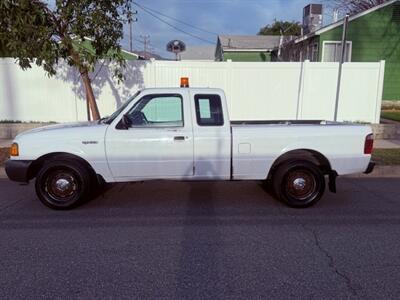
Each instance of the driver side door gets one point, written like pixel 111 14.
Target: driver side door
pixel 158 143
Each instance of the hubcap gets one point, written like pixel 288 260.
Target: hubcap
pixel 61 185
pixel 300 184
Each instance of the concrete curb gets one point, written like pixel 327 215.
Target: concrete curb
pixel 379 171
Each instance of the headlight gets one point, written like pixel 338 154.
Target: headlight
pixel 14 151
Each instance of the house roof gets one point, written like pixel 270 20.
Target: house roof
pixel 148 55
pixel 198 53
pixel 340 23
pixel 87 45
pixel 248 42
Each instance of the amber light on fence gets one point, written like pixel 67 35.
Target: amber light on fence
pixel 14 150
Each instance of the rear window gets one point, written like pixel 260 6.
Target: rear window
pixel 209 110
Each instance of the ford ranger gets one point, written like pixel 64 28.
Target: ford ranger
pixel 186 134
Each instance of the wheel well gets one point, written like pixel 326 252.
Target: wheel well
pixel 38 163
pixel 312 156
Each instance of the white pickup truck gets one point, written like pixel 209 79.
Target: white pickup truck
pixel 186 134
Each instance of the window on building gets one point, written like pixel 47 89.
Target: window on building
pixel 332 51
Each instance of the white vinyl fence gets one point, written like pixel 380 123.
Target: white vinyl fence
pixel 257 91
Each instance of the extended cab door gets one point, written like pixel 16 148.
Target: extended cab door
pixel 212 135
pixel 159 142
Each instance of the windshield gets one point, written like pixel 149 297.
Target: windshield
pixel 108 120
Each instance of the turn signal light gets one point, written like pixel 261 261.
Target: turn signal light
pixel 369 144
pixel 14 150
pixel 184 82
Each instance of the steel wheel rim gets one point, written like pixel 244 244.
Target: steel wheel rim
pixel 61 185
pixel 301 184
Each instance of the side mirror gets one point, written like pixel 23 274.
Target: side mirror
pixel 125 123
pixel 126 120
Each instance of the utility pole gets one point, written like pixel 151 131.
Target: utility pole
pixel 342 58
pixel 146 43
pixel 131 20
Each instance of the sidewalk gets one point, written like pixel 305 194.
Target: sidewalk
pixel 387 144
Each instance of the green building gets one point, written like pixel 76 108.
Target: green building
pixel 373 35
pixel 246 48
pixel 86 45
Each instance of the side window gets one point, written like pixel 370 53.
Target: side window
pixel 158 111
pixel 209 110
pixel 333 50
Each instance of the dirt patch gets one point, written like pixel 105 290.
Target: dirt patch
pixel 4 155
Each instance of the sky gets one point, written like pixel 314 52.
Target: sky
pixel 231 17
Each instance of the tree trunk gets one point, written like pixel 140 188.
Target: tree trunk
pixel 90 96
pixel 87 108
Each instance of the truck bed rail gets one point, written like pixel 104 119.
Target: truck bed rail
pixel 282 122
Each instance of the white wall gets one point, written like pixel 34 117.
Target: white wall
pixel 259 91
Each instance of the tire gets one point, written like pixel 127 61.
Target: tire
pixel 63 184
pixel 299 184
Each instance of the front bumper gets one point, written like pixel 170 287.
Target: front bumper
pixel 17 170
pixel 370 168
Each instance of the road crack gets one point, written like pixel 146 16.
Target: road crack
pixel 325 252
pixel 331 260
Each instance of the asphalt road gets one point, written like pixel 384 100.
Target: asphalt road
pixel 203 240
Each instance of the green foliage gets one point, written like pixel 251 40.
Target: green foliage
pixel 386 156
pixel 391 115
pixel 281 27
pixel 36 32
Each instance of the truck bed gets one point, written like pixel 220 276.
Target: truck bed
pixel 257 144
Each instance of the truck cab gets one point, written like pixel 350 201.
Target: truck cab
pixel 170 134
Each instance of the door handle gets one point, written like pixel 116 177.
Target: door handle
pixel 179 138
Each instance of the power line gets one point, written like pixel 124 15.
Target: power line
pixel 176 20
pixel 173 26
pixel 150 45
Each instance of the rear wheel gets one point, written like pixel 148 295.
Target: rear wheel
pixel 299 183
pixel 63 184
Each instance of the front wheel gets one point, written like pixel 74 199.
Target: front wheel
pixel 299 184
pixel 63 184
